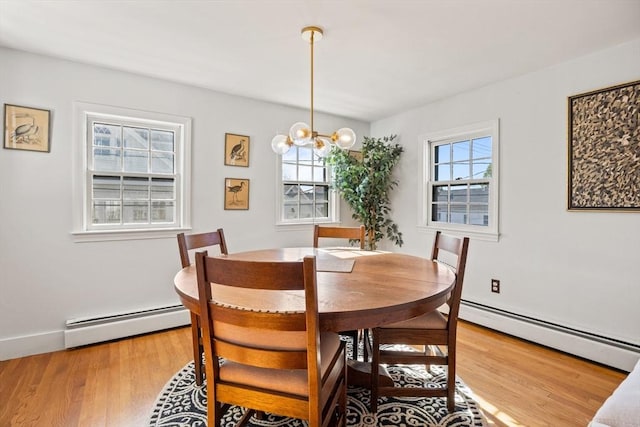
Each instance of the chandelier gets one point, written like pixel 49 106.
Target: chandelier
pixel 301 134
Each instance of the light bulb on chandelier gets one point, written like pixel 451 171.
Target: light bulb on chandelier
pixel 301 134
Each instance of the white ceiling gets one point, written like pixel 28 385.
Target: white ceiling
pixel 377 57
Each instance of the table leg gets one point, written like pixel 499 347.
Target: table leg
pixel 359 375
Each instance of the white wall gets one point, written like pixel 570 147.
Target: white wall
pixel 46 278
pixel 576 269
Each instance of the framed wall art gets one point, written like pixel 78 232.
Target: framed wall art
pixel 236 194
pixel 236 150
pixel 356 154
pixel 26 128
pixel 604 149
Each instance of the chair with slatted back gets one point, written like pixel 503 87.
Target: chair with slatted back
pixel 351 233
pixel 432 331
pixel 185 244
pixel 269 361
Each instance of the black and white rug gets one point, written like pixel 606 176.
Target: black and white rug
pixel 183 403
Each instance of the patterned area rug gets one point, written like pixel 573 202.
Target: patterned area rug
pixel 183 403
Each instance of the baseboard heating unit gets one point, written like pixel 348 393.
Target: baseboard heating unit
pixel 92 330
pixel 608 351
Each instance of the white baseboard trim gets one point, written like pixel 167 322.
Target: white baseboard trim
pixel 93 332
pixel 114 329
pixel 622 357
pixel 28 345
pixel 602 352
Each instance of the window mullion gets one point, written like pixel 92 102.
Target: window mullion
pixel 149 198
pixel 122 149
pixel 122 200
pixel 468 204
pixel 150 157
pixel 449 213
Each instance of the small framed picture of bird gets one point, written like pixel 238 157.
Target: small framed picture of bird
pixel 236 194
pixel 236 150
pixel 26 128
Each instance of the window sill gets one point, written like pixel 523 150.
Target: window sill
pixel 487 236
pixel 113 235
pixel 295 226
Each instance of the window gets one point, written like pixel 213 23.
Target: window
pixel 461 179
pixel 132 173
pixel 304 191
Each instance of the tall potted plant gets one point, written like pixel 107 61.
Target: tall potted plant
pixel 365 181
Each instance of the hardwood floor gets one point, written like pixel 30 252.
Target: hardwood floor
pixel 112 384
pixel 115 384
pixel 518 383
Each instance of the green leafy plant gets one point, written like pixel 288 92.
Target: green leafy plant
pixel 364 180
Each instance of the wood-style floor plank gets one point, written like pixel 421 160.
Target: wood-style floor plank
pixel 115 384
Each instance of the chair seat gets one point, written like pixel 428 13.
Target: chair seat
pixel 293 381
pixel 431 320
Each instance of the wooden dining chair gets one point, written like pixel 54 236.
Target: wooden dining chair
pixel 185 244
pixel 269 361
pixel 431 330
pixel 351 233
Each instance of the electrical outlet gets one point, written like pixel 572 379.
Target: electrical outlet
pixel 495 286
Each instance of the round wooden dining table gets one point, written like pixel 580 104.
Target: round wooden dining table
pixel 356 289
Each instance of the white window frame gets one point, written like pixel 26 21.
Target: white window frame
pixel 300 223
pixel 83 229
pixel 487 128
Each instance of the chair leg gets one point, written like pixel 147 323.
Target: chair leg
pixel 451 382
pixel 214 411
pixel 375 368
pixel 366 339
pixel 197 347
pixel 355 336
pixel 248 413
pixel 343 403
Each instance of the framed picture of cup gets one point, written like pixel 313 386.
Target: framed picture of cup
pixel 26 128
pixel 236 150
pixel 236 194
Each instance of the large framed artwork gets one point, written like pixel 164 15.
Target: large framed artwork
pixel 604 149
pixel 236 194
pixel 236 150
pixel 26 128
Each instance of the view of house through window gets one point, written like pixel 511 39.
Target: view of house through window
pixel 461 179
pixel 305 187
pixel 133 175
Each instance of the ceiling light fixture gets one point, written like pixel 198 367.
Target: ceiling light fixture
pixel 301 134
